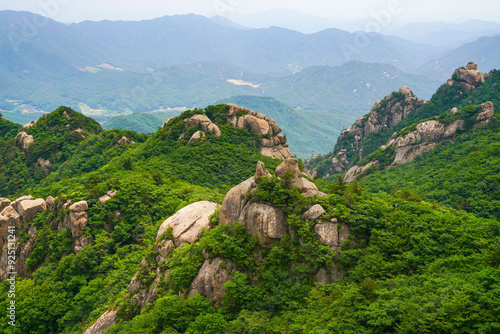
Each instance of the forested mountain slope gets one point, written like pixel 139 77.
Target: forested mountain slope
pixel 401 109
pixel 448 156
pixel 208 225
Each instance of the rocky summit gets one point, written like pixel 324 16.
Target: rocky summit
pixel 271 141
pixel 390 115
pixel 383 115
pixel 405 146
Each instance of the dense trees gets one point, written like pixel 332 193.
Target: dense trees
pixel 410 265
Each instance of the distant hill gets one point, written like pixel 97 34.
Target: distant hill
pixel 79 61
pixel 307 132
pixel 480 50
pixel 448 34
pixel 350 87
pixel 180 39
pixel 139 122
pixel 194 85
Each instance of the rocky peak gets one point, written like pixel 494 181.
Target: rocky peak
pixel 468 77
pixel 272 143
pixel 383 115
pixel 412 141
pixel 63 120
pixel 261 219
pixel 20 214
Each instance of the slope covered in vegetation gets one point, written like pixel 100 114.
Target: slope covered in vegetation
pixel 456 93
pixel 342 261
pixel 462 173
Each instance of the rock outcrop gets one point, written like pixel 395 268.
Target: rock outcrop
pixel 18 231
pixel 468 77
pixel 77 221
pixel 426 135
pixel 331 233
pixel 28 208
pixel 125 140
pixel 314 213
pixel 292 165
pixel 262 220
pixel 166 122
pixel 197 136
pixel 188 222
pixel 14 218
pixel 102 324
pixel 354 144
pixel 383 115
pixel 4 202
pixel 186 225
pixel 24 140
pixel 211 279
pixel 487 111
pixel 205 123
pixel 352 174
pixel 261 170
pixel 106 197
pixel 235 201
pixel 44 165
pixel 272 143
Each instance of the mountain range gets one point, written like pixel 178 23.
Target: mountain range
pixel 107 68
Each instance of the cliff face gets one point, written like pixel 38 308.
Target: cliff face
pixel 383 115
pixel 412 141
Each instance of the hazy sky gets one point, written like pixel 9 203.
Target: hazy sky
pixel 79 10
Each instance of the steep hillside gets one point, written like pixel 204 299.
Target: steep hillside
pixel 147 254
pixel 449 157
pixel 64 143
pixel 196 228
pixel 40 147
pixel 397 111
pixel 462 173
pixel 405 145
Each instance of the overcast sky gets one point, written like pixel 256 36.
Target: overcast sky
pixel 407 10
